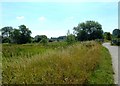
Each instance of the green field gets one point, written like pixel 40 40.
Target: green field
pixel 57 63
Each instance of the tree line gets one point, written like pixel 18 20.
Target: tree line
pixel 89 30
pixel 19 36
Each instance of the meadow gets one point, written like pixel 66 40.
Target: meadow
pixel 56 63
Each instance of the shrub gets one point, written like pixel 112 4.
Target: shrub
pixel 115 42
pixel 44 41
pixel 70 39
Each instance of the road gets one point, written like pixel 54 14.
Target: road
pixel 114 54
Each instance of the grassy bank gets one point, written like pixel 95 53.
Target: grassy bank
pixel 103 73
pixel 81 63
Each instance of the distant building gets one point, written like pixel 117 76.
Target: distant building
pixel 53 39
pixel 60 38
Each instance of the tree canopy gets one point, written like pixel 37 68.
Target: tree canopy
pixel 24 34
pixel 20 36
pixel 107 36
pixel 39 38
pixel 116 33
pixel 88 30
pixel 6 32
pixel 116 37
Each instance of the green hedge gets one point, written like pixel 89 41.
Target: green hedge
pixel 115 41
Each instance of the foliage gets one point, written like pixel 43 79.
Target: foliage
pixel 28 50
pixel 6 32
pixel 103 72
pixel 70 65
pixel 90 30
pixel 16 36
pixel 44 41
pixel 25 34
pixel 107 36
pixel 19 36
pixel 82 35
pixel 116 33
pixel 115 41
pixel 70 38
pixel 5 40
pixel 100 41
pixel 39 38
pixel 116 37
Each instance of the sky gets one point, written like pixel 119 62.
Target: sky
pixel 55 19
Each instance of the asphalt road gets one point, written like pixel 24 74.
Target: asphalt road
pixel 114 54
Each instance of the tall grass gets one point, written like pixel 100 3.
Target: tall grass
pixel 71 65
pixel 28 50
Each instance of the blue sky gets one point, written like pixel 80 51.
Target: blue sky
pixel 54 19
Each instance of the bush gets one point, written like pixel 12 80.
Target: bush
pixel 44 41
pixel 70 39
pixel 115 42
pixel 100 41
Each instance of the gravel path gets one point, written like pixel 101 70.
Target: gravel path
pixel 114 54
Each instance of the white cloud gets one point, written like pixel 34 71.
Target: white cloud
pixel 20 17
pixel 42 18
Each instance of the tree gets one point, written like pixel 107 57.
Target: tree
pixel 16 36
pixel 24 34
pixel 70 38
pixel 116 37
pixel 21 35
pixel 38 38
pixel 6 31
pixel 44 41
pixel 116 33
pixel 89 30
pixel 107 35
pixel 82 35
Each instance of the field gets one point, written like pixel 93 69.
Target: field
pixel 56 63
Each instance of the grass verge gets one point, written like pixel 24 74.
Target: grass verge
pixel 85 63
pixel 103 73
